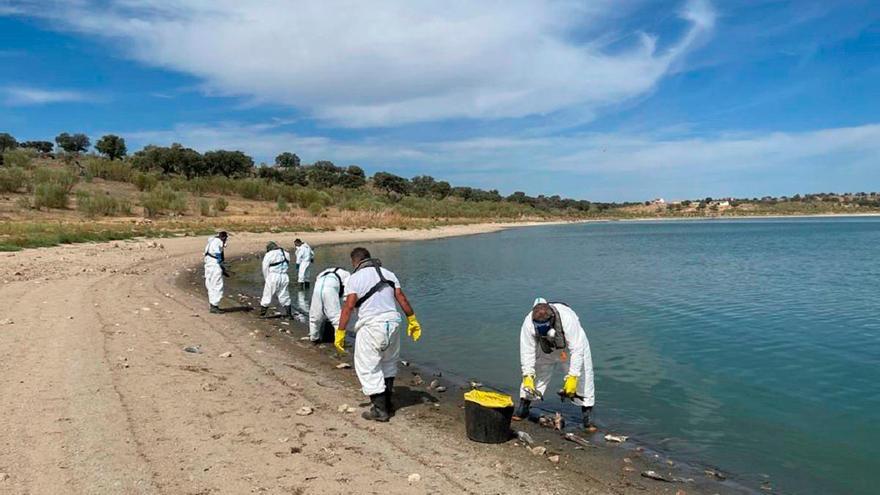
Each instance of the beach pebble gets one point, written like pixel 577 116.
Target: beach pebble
pixel 414 478
pixel 226 354
pixel 629 469
pixel 208 387
pixel 537 450
pixel 554 459
pixel 343 366
pixel 4 476
pixel 342 408
pixel 304 411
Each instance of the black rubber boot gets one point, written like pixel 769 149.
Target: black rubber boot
pixel 378 411
pixel 389 391
pixel 288 312
pixel 264 310
pixel 587 412
pixel 215 310
pixel 522 411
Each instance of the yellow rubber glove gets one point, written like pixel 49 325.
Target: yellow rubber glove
pixel 528 385
pixel 413 329
pixel 569 387
pixel 339 340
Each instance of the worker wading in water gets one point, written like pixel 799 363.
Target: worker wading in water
pixel 375 292
pixel 551 334
pixel 276 262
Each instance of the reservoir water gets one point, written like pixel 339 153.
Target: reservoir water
pixel 750 345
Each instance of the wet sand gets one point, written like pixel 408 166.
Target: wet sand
pixel 100 397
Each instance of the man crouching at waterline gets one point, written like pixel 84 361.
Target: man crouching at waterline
pixel 375 292
pixel 555 329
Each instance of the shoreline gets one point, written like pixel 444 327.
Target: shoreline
pixel 93 336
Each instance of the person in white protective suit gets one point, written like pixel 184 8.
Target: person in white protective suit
pixel 276 262
pixel 304 257
pixel 551 334
pixel 375 292
pixel 215 270
pixel 325 305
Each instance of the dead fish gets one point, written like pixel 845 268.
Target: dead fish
pixel 615 438
pixel 193 349
pixel 405 363
pixel 525 437
pixel 712 473
pixel 571 437
pixel 558 422
pixel 474 384
pixel 654 475
pixel 441 389
pixel 434 384
pixel 417 380
pixel 546 421
pixel 343 366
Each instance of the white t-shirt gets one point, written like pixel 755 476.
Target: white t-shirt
pixel 380 302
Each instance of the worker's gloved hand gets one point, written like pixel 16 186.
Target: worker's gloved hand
pixel 413 329
pixel 569 387
pixel 339 340
pixel 528 385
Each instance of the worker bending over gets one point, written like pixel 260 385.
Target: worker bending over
pixel 276 262
pixel 304 257
pixel 325 305
pixel 375 292
pixel 215 270
pixel 549 331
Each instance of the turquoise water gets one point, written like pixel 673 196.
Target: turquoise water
pixel 751 345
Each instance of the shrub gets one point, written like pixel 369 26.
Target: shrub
pixel 204 207
pixel 12 179
pixel 316 208
pixel 50 195
pixel 145 181
pixel 220 204
pixel 23 202
pixel 108 169
pixel 63 177
pixel 282 204
pixel 163 199
pixel 18 157
pixel 101 205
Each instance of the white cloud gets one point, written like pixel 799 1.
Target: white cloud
pixel 24 96
pixel 363 64
pixel 593 166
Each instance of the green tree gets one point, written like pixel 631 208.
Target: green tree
pixel 228 163
pixel 353 177
pixel 324 174
pixel 73 143
pixel 41 146
pixel 173 160
pixel 7 142
pixel 422 185
pixel 287 160
pixel 441 189
pixel 111 146
pixel 391 183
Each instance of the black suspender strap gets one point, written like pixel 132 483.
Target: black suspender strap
pixel 285 260
pixel 383 282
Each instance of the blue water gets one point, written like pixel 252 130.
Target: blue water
pixel 751 345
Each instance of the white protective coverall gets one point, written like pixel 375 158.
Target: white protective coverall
pixel 326 304
pixel 536 362
pixel 377 331
pixel 304 255
pixel 275 265
pixel 213 272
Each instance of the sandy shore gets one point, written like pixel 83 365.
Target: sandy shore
pixel 99 396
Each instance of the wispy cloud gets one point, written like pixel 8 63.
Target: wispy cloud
pixel 358 64
pixel 25 96
pixel 595 166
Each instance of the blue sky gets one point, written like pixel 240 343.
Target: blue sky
pixel 603 100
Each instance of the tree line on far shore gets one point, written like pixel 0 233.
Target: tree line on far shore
pixel 180 161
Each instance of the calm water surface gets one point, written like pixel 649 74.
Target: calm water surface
pixel 751 345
